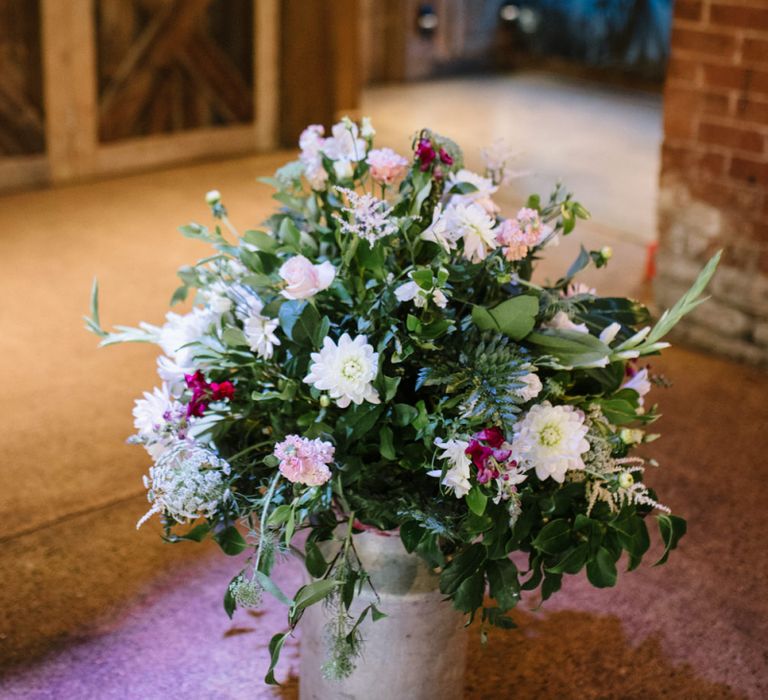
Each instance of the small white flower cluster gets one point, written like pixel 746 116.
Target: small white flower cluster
pixel 411 291
pixel 187 482
pixel 457 475
pixel 369 217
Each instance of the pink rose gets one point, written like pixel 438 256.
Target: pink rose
pixel 387 167
pixel 303 279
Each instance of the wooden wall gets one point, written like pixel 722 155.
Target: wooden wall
pixel 97 87
pixel 469 35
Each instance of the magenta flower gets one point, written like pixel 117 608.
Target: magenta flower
pixel 485 453
pixel 203 393
pixel 425 153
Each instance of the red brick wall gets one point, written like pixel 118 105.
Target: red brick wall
pixel 714 179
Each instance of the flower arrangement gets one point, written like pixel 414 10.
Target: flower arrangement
pixel 389 297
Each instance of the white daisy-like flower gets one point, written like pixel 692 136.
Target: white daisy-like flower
pixel 158 419
pixel 172 374
pixel 345 370
pixel 551 440
pixel 609 333
pixel 369 216
pixel 259 331
pixel 532 386
pixel 470 222
pixel 217 298
pixel 188 481
pixel 482 195
pixel 457 476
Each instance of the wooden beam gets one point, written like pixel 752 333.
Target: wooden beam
pixel 69 87
pixel 266 48
pixel 320 63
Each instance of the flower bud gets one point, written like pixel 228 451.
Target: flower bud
pixel 213 198
pixel 325 400
pixel 606 252
pixel 626 480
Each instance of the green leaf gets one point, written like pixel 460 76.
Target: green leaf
pixel 411 533
pixel 577 265
pixel 271 587
pixel 571 561
pixel 514 317
pixel 376 614
pixel 476 500
pixel 571 348
pixel 230 604
pixel 275 646
pixel 404 414
pixel 462 567
pixel 689 301
pixel 423 277
pixel 312 593
pixel 554 537
pixel 289 234
pixel 234 337
pixel 263 241
pixel 386 443
pixel 504 586
pixel 314 560
pixel 601 569
pixel 469 595
pixel 230 541
pixel 672 528
pixel 279 515
pixel 552 583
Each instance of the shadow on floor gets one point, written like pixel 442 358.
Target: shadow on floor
pixel 580 656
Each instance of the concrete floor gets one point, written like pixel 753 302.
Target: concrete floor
pixel 602 142
pixel 91 609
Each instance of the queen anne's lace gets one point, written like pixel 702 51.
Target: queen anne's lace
pixel 187 482
pixel 369 217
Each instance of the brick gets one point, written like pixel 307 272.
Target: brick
pixel 704 42
pixel 680 123
pixel 738 16
pixel 755 50
pixel 752 110
pixel 728 77
pixel 691 161
pixel 682 69
pixel 688 10
pixel 754 172
pixel 743 139
pixel 724 195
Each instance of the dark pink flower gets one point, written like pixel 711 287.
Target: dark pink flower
pixel 445 157
pixel 493 436
pixel 203 392
pixel 425 154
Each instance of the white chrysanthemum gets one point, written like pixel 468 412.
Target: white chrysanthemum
pixel 260 333
pixel 457 476
pixel 475 227
pixel 532 386
pixel 345 370
pixel 551 440
pixel 158 419
pixel 187 482
pixel 369 216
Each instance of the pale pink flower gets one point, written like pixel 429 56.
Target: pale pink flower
pixel 304 279
pixel 519 235
pixel 387 167
pixel 304 461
